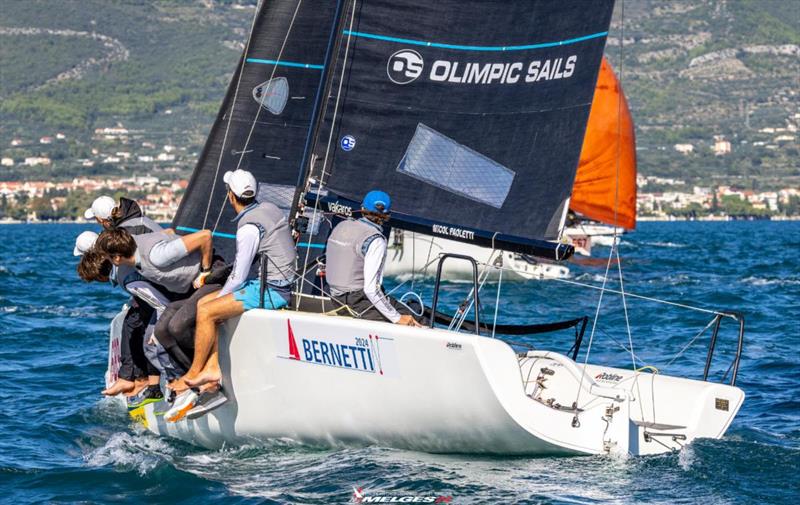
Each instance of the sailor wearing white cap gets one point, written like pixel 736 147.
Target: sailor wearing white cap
pixel 127 214
pixel 101 209
pixel 84 242
pixel 263 230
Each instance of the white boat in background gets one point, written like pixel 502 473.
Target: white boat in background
pixel 583 235
pixel 415 254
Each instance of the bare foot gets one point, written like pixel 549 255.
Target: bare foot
pixel 179 385
pixel 138 388
pixel 204 377
pixel 210 387
pixel 121 386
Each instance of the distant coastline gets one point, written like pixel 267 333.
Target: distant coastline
pixel 639 218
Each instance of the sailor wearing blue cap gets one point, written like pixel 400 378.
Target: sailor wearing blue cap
pixel 356 253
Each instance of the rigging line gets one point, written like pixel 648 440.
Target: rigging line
pixel 614 248
pixel 642 297
pixel 472 297
pixel 413 257
pixel 594 327
pixel 483 276
pixel 221 208
pixel 338 96
pixel 497 302
pixel 616 245
pixel 627 294
pixel 230 117
pixel 333 127
pixel 272 75
pixel 620 344
pixel 690 343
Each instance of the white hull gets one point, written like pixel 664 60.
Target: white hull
pixel 435 391
pixel 413 251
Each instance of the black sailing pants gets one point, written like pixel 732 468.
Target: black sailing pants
pixel 134 363
pixel 175 328
pixel 360 304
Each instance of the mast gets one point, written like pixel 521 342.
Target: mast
pixel 320 105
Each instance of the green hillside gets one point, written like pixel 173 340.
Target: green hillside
pixel 691 69
pixel 695 69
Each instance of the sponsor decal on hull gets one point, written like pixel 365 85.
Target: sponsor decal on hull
pixel 357 354
pixel 608 377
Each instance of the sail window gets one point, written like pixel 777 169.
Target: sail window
pixel 272 94
pixel 441 161
pixel 279 194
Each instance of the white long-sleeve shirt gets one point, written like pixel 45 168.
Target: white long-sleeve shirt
pixel 374 259
pixel 247 240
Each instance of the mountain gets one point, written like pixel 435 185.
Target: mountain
pixel 692 70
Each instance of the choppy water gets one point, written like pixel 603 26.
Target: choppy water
pixel 62 443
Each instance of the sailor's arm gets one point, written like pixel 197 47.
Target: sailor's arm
pixel 247 239
pixel 373 272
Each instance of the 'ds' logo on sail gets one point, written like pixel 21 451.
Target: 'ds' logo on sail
pixel 404 66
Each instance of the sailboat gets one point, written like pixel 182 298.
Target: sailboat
pixel 437 103
pixel 604 192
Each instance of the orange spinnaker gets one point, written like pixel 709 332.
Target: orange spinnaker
pixel 609 136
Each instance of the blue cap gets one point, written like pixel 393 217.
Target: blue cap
pixel 375 198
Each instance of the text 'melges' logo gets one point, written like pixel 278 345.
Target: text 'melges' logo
pixel 404 66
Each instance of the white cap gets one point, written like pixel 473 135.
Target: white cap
pixel 84 242
pixel 101 208
pixel 241 182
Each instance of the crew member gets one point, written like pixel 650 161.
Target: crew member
pixel 263 231
pixel 138 356
pixel 355 255
pixel 84 242
pixel 162 258
pixel 127 214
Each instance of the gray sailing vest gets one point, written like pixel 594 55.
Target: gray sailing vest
pixel 176 277
pixel 140 225
pixel 276 243
pixel 344 263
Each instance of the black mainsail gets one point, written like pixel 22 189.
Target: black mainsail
pixel 265 118
pixel 471 114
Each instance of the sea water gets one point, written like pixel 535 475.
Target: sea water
pixel 62 442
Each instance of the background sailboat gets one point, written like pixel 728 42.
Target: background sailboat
pixel 604 192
